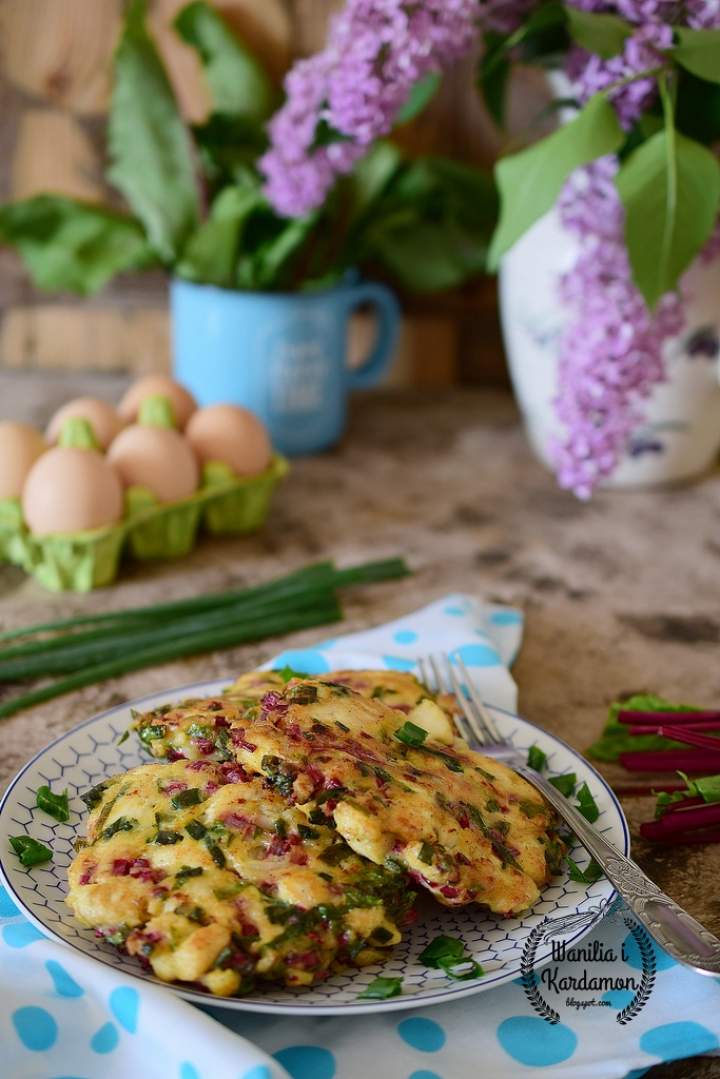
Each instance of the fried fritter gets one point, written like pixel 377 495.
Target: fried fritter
pixel 212 878
pixel 464 826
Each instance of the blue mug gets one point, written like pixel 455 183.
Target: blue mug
pixel 283 355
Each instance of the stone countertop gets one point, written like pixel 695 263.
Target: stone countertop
pixel 620 594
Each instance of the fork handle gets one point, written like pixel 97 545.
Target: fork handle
pixel 673 928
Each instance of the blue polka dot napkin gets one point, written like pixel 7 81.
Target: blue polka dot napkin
pixel 63 1015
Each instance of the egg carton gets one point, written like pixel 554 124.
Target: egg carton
pixel 225 505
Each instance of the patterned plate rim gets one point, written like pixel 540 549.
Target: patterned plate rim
pixel 211 688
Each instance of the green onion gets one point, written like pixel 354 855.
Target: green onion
pixel 286 673
pixel 382 989
pixel 30 851
pixel 565 784
pixel 426 854
pixel 587 804
pixel 216 854
pixel 94 796
pixel 167 838
pixel 187 871
pixel 125 641
pixel 196 829
pixel 183 799
pixel 531 809
pixel 410 734
pixel 448 954
pixel 120 824
pixel 54 804
pixel 536 758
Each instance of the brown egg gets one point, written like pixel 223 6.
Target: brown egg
pixel 71 490
pixel 183 403
pixel 20 447
pixel 230 434
pixel 158 458
pixel 101 416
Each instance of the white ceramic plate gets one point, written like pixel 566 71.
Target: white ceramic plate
pixel 90 752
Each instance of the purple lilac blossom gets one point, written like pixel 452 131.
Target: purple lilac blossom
pixel 376 51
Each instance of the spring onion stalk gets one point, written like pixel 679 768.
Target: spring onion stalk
pixel 319 573
pixel 189 644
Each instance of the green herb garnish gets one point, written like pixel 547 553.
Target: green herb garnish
pixel 183 799
pixel 120 824
pixel 342 726
pixel 531 809
pixel 588 875
pixel 54 804
pixel 335 854
pixel 187 871
pixel 426 854
pixel 565 784
pixel 307 833
pixel 536 758
pixel 410 734
pixel 216 854
pixel 151 732
pixel 286 673
pixel 30 851
pixel 167 838
pixel 587 804
pixel 94 796
pixel 382 989
pixel 448 954
pixel 195 829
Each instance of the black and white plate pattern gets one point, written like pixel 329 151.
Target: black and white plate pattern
pixel 90 752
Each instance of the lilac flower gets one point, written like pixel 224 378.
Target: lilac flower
pixel 376 51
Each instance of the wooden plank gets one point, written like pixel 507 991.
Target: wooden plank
pixel 73 336
pixel 53 145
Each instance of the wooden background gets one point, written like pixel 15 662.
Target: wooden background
pixel 54 86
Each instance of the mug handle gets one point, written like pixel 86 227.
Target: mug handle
pixel 388 314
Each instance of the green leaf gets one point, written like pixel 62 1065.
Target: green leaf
pixel 708 788
pixel 602 34
pixel 229 147
pixel 420 96
pixel 371 176
pixel 210 255
pixel 493 75
pixel 54 804
pixel 286 673
pixel 238 82
pixel 536 758
pixel 616 738
pixel 699 51
pixel 150 154
pixel 565 784
pixel 72 246
pixel 531 180
pixel 587 804
pixel 30 851
pixel 382 989
pixel 670 188
pixel 588 875
pixel 441 949
pixel 270 265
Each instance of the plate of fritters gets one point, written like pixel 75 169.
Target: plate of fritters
pixel 295 844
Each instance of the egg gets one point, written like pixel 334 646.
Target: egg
pixel 158 458
pixel 101 416
pixel 71 490
pixel 20 447
pixel 183 403
pixel 230 434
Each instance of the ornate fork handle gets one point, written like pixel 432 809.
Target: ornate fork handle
pixel 671 926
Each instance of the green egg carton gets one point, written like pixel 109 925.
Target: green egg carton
pixel 225 504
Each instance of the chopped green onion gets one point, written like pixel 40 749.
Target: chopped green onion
pixel 286 673
pixel 120 824
pixel 187 871
pixel 216 854
pixel 166 838
pixel 30 851
pixel 411 734
pixel 587 804
pixel 448 954
pixel 531 809
pixel 426 854
pixel 94 796
pixel 536 758
pixel 307 833
pixel 382 989
pixel 565 784
pixel 151 732
pixel 196 829
pixel 183 799
pixel 54 804
pixel 588 875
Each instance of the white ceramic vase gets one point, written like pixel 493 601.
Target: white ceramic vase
pixel 680 437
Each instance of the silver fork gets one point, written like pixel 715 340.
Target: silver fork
pixel 672 927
